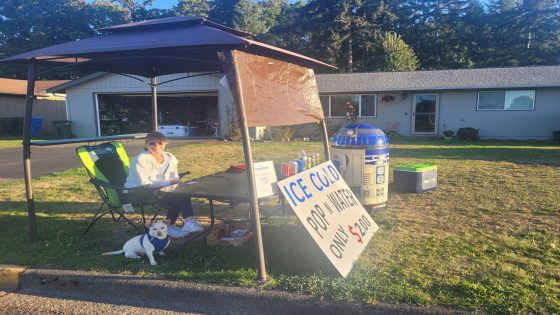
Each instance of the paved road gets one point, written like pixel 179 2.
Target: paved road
pixel 33 303
pixel 43 291
pixel 46 160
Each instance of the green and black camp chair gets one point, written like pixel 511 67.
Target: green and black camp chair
pixel 107 165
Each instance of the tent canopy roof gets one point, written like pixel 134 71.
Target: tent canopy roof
pixel 159 47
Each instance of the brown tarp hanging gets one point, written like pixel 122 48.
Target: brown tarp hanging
pixel 274 92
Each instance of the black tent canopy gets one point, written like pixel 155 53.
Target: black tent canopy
pixel 159 47
pixel 264 80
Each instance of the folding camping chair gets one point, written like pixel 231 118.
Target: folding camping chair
pixel 107 165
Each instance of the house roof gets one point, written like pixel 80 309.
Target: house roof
pixel 63 86
pixel 19 87
pixel 462 79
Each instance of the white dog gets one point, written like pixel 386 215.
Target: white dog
pixel 153 242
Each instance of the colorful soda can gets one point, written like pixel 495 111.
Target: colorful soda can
pixel 300 165
pixel 282 170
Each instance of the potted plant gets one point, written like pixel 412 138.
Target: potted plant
pixel 468 133
pixel 448 134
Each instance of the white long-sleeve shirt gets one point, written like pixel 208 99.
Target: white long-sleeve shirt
pixel 145 170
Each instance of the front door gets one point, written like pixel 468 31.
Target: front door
pixel 425 114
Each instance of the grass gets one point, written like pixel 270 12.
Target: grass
pixel 16 141
pixel 488 239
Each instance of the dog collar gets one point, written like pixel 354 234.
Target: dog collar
pixel 159 244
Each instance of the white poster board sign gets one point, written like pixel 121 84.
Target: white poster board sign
pixel 265 179
pixel 331 213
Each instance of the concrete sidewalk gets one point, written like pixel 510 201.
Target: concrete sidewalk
pixel 178 296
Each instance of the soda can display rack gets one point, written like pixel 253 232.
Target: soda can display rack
pixel 289 168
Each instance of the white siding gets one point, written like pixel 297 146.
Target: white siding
pixel 457 109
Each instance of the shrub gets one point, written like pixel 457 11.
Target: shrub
pixel 234 132
pixel 283 134
pixel 448 133
pixel 333 127
pixel 393 135
pixel 467 134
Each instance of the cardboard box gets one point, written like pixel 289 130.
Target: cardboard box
pixel 217 237
pixel 235 241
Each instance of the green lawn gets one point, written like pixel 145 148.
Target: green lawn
pixel 16 141
pixel 10 142
pixel 487 240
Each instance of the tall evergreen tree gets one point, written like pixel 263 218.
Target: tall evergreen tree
pixel 135 9
pixel 380 19
pixel 31 24
pixel 435 30
pixel 199 8
pixel 393 54
pixel 334 25
pixel 288 31
pixel 257 17
pixel 104 13
pixel 523 33
pixel 223 12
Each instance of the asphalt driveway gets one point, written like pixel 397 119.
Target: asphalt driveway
pixel 49 159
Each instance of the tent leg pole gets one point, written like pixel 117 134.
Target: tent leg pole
pixel 255 211
pixel 325 137
pixel 27 151
pixel 153 86
pixel 228 63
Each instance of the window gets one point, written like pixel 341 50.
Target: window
pixel 325 103
pixel 506 100
pixel 336 105
pixel 340 103
pixel 368 105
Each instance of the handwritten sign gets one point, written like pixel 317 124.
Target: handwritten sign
pixel 265 179
pixel 331 213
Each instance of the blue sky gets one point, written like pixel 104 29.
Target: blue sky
pixel 164 4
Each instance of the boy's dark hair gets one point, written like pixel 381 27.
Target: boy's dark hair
pixel 155 135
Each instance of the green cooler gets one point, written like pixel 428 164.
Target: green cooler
pixel 415 177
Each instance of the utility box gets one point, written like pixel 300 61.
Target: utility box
pixel 63 128
pixel 361 154
pixel 415 177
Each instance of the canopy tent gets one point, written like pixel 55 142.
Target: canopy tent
pixel 159 47
pixel 270 86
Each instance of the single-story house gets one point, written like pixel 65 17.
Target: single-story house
pixel 503 103
pixel 49 106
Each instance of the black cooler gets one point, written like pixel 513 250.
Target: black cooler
pixel 415 177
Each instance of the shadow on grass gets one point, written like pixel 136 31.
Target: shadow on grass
pixel 61 245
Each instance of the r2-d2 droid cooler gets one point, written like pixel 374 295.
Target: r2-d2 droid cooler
pixel 361 154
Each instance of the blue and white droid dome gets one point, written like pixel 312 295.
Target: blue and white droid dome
pixel 359 135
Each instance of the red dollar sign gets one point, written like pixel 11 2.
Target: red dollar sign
pixel 351 229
